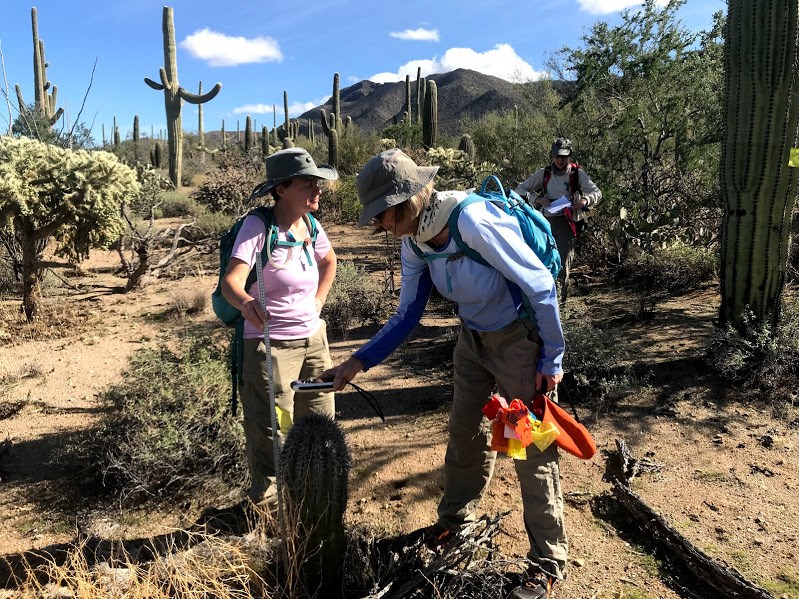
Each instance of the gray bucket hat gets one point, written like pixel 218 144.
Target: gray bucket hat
pixel 290 163
pixel 388 179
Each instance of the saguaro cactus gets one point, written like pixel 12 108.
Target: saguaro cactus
pixel 248 135
pixel 315 465
pixel 44 102
pixel 758 187
pixel 419 95
pixel 174 96
pixel 333 123
pixel 430 120
pixel 409 115
pixel 466 145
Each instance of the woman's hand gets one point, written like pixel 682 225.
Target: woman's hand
pixel 319 304
pixel 542 201
pixel 550 380
pixel 254 313
pixel 343 373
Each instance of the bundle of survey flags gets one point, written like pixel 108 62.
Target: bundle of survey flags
pixel 514 428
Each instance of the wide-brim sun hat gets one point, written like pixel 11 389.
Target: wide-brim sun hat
pixel 289 164
pixel 388 179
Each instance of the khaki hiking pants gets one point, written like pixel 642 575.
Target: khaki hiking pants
pixel 564 238
pixel 506 358
pixel 291 360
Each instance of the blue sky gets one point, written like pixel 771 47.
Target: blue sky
pixel 258 49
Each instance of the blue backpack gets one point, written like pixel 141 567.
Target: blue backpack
pixel 535 228
pixel 230 316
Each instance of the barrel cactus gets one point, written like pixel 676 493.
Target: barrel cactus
pixel 758 187
pixel 315 464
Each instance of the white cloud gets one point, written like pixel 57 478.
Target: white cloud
pixel 295 108
pixel 221 50
pixel 502 61
pixel 417 35
pixel 603 7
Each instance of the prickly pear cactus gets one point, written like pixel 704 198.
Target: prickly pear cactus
pixel 315 464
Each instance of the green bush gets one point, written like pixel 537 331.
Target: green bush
pixel 152 183
pixel 760 356
pixel 169 432
pixel 597 358
pixel 355 149
pixel 209 225
pixel 355 297
pixel 173 204
pixel 228 189
pixel 339 201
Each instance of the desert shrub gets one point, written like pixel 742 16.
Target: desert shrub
pixel 666 272
pixel 354 149
pixel 405 135
pixel 597 358
pixel 174 204
pixel 228 189
pixel 152 183
pixel 455 170
pixel 169 431
pixel 355 297
pixel 339 202
pixel 209 225
pixel 761 356
pixel 189 303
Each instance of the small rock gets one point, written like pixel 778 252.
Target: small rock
pixel 766 440
pixel 577 562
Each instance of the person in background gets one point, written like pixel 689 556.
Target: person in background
pixel 297 279
pixel 495 348
pixel 562 179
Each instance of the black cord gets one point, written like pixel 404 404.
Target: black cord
pixel 370 399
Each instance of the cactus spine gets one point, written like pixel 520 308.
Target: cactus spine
pixel 315 466
pixel 466 145
pixel 758 187
pixel 430 122
pixel 174 96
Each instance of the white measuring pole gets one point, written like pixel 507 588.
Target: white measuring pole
pixel 276 445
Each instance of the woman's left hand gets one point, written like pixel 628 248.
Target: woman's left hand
pixel 319 304
pixel 550 380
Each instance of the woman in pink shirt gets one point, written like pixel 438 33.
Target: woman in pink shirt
pixel 297 279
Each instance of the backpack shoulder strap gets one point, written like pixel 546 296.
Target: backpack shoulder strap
pixel 574 177
pixel 313 228
pixel 452 223
pixel 547 177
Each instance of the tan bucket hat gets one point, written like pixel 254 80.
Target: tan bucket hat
pixel 388 179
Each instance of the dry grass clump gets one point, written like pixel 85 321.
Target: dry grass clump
pixel 190 303
pixel 57 319
pixel 213 567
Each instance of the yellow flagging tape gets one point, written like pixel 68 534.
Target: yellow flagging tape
pixel 793 158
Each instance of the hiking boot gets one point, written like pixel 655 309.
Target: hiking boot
pixel 538 586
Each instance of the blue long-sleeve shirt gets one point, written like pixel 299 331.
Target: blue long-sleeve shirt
pixel 481 292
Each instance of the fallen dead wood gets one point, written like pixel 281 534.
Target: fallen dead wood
pixel 724 579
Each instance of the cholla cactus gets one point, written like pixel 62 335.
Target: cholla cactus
pixel 315 465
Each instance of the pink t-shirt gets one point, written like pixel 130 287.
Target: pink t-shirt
pixel 290 291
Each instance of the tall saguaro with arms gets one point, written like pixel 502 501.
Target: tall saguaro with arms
pixel 174 96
